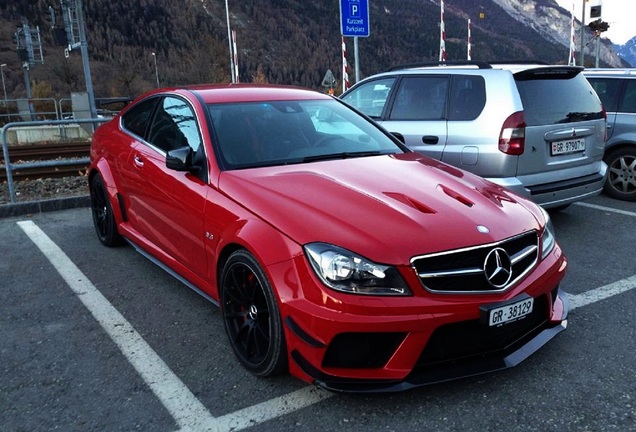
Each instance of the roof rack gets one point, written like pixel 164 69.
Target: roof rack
pixel 479 64
pixel 520 62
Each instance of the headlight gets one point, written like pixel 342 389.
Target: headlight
pixel 548 240
pixel 345 271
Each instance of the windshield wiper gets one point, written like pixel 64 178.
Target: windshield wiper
pixel 341 155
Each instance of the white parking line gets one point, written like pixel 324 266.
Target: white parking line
pixel 602 293
pixel 184 407
pixel 607 209
pixel 272 409
pixel 188 412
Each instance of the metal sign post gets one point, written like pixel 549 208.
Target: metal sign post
pixel 354 22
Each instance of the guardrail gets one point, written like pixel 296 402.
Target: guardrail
pixel 9 167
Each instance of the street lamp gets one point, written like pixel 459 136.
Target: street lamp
pixel 154 55
pixel 229 41
pixel 4 88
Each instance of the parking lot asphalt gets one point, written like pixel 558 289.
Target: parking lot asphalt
pixel 99 339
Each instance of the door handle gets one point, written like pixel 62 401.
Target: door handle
pixel 430 139
pixel 139 162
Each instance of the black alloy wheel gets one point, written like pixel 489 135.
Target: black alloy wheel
pixel 251 316
pixel 103 218
pixel 621 176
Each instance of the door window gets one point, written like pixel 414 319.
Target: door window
pixel 136 119
pixel 420 98
pixel 370 97
pixel 174 126
pixel 628 104
pixel 468 97
pixel 607 90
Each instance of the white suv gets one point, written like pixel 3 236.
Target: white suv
pixel 536 129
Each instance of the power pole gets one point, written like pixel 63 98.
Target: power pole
pixel 73 17
pixel 29 49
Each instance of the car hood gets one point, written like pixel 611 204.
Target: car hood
pixel 386 208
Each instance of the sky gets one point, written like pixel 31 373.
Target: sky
pixel 619 14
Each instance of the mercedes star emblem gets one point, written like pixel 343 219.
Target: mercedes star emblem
pixel 498 268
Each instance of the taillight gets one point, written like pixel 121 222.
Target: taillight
pixel 512 138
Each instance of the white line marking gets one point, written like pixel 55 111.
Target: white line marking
pixel 184 407
pixel 602 293
pixel 607 209
pixel 272 408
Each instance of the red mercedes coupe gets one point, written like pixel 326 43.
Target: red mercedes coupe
pixel 332 251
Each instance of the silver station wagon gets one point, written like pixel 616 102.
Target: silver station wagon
pixel 539 130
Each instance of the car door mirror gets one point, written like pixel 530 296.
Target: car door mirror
pixel 180 159
pixel 399 136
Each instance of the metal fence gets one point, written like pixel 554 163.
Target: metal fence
pixel 35 109
pixel 30 110
pixel 10 167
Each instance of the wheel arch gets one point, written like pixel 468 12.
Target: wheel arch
pixel 266 244
pixel 619 146
pixel 102 168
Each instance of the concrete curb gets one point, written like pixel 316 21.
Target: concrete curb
pixel 31 207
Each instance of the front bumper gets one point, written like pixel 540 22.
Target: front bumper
pixel 362 344
pixel 450 369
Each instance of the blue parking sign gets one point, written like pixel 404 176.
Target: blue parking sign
pixel 354 17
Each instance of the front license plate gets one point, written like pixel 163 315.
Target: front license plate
pixel 567 146
pixel 509 312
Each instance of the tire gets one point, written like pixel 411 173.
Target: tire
pixel 558 208
pixel 103 217
pixel 621 177
pixel 251 316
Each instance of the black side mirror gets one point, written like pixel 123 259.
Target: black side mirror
pixel 180 159
pixel 399 136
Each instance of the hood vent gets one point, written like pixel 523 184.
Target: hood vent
pixel 410 202
pixel 456 195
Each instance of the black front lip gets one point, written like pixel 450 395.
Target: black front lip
pixel 443 372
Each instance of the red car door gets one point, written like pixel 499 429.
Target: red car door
pixel 168 205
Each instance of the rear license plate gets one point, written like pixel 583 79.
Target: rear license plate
pixel 567 146
pixel 504 313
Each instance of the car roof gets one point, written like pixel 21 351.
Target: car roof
pixel 220 93
pixel 476 67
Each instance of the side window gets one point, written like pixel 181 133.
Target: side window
pixel 370 97
pixel 174 126
pixel 468 98
pixel 628 104
pixel 137 118
pixel 420 98
pixel 607 90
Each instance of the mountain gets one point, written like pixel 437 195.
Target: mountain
pixel 627 52
pixel 279 41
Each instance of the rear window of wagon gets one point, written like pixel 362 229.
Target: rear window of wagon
pixel 551 100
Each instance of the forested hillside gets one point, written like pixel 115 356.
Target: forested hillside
pixel 279 41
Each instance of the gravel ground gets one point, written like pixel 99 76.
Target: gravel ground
pixel 45 189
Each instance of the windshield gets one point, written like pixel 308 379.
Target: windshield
pixel 257 134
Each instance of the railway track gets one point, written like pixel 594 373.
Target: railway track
pixel 46 152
